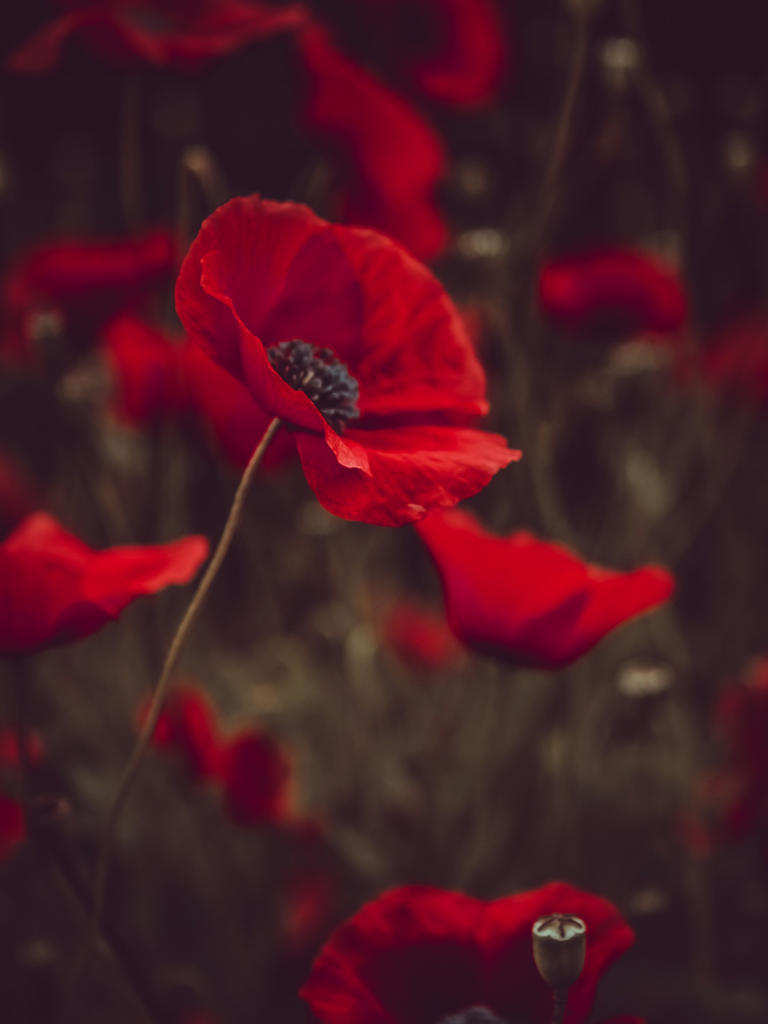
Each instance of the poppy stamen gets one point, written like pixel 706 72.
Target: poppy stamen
pixel 321 376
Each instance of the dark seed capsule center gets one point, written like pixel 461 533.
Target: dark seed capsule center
pixel 321 376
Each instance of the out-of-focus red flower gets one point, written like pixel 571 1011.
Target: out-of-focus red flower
pixel 421 636
pixel 13 829
pixel 18 495
pixel 149 370
pixel 55 589
pixel 256 777
pixel 187 725
pixel 528 600
pixel 181 34
pixel 9 748
pixel 621 289
pixel 395 159
pixel 251 769
pixel 76 286
pixel 354 345
pixel 739 791
pixel 306 907
pixel 736 358
pixel 417 955
pixel 454 51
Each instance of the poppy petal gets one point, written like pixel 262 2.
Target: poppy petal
pixel 412 469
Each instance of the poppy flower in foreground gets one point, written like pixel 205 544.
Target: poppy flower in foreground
pixel 396 159
pixel 421 955
pixel 355 346
pixel 621 289
pixel 181 34
pixel 75 286
pixel 251 769
pixel 55 589
pixel 456 55
pixel 528 600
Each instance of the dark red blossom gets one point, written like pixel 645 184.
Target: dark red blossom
pixel 181 34
pixel 528 600
pixel 267 288
pixel 621 289
pixel 421 637
pixel 395 159
pixel 419 955
pixel 149 370
pixel 75 286
pixel 454 51
pixel 55 589
pixel 13 828
pixel 252 771
pixel 736 358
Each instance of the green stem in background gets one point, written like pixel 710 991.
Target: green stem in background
pixel 198 171
pixel 134 762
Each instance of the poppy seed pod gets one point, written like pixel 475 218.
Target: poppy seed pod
pixel 559 947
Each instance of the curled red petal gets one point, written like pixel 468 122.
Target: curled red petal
pixel 621 288
pixel 528 600
pixel 396 158
pixel 412 469
pixel 55 589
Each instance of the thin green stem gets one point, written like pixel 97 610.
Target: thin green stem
pixel 142 743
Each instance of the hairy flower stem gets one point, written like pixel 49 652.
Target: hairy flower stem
pixel 560 1001
pixel 134 762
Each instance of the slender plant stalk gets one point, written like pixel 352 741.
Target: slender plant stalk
pixel 142 743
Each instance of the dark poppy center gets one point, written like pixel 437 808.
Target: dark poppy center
pixel 476 1015
pixel 321 376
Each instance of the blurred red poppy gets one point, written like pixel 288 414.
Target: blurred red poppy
pixel 181 34
pixel 527 600
pixel 354 345
pixel 76 286
pixel 395 157
pixel 619 289
pixel 55 589
pixel 187 725
pixel 252 770
pixel 454 51
pixel 736 358
pixel 149 370
pixel 13 829
pixel 18 496
pixel 419 955
pixel 739 791
pixel 421 637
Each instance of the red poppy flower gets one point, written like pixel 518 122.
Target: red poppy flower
pixel 252 770
pixel 528 600
pixel 187 725
pixel 77 286
pixel 18 496
pixel 738 791
pixel 166 33
pixel 331 328
pixel 257 779
pixel 9 748
pixel 55 589
pixel 396 159
pixel 617 288
pixel 149 370
pixel 420 955
pixel 421 636
pixel 458 52
pixel 13 829
pixel 737 357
